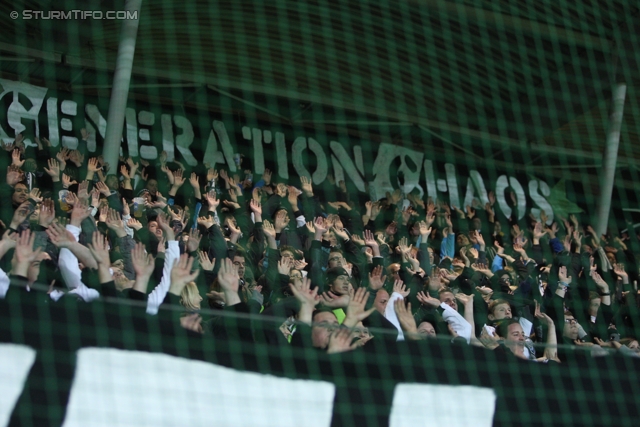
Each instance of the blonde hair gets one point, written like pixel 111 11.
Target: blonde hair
pixel 188 294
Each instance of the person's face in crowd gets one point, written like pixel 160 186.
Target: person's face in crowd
pixel 146 196
pixel 506 279
pixel 112 182
pixel 287 254
pixel 594 306
pixel 476 224
pixel 195 299
pixel 295 275
pixel 415 230
pixel 633 345
pixel 238 262
pixel 336 260
pixel 35 216
pixel 426 330
pixel 515 338
pixel 152 186
pixel 324 323
pixel 462 240
pixel 154 229
pixel 340 286
pixel 119 278
pixel 394 271
pixel 611 257
pixel 570 328
pixel 20 194
pixel 431 256
pixel 330 237
pixel 281 190
pixel 501 311
pixel 449 299
pixel 380 303
pixel 362 333
pixel 76 157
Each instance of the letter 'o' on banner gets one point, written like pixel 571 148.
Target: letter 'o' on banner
pixel 15 364
pixel 418 405
pixel 114 388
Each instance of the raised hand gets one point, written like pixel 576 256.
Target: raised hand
pixel 143 263
pixel 369 239
pixel 165 224
pixel 103 213
pixel 102 188
pixel 356 308
pixel 284 266
pixel 391 229
pixel 206 221
pixel 67 181
pixel 205 263
pixel 305 295
pixel 619 270
pixel 407 322
pixel 482 268
pixel 114 222
pixel 357 240
pixel 538 233
pixel 229 281
pixel 268 230
pixel 212 200
pixel 54 169
pixel 182 273
pixel 59 236
pixel 14 175
pixel 292 196
pixel 341 341
pixel 24 253
pixel 489 341
pixel 194 240
pixel 47 213
pixel 93 166
pixel 193 180
pixel 83 190
pixel 212 174
pixel 81 211
pixel 340 232
pixel 15 157
pixel 427 300
pixel 178 178
pixel 256 207
pixel 562 275
pixel 542 317
pixel 320 227
pixel 464 298
pixel 299 264
pixel 425 231
pixel 134 224
pixel 376 279
pixel 282 220
pixel 331 300
pixel 399 287
pixel 167 171
pixel 307 187
pixel 20 215
pixel 100 249
pixel 35 195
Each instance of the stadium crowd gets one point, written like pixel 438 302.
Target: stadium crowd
pixel 326 263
